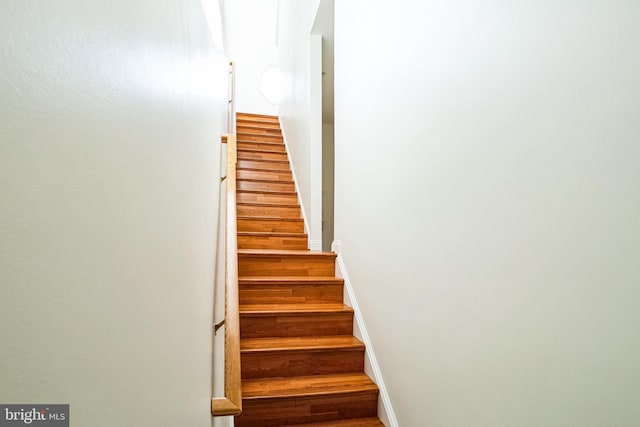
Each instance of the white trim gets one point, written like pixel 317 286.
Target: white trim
pixel 385 409
pixel 295 182
pixel 315 141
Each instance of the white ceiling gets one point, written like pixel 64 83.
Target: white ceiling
pixel 251 29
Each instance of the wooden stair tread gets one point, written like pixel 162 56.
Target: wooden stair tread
pixel 315 308
pixel 256 210
pixel 266 160
pixel 266 124
pixel 270 234
pixel 263 136
pixel 253 127
pixel 239 139
pixel 255 345
pixel 353 422
pixel 284 205
pixel 316 385
pixel 266 175
pixel 253 169
pixel 279 204
pixel 265 180
pixel 257 126
pixel 291 279
pixel 283 193
pixel 257 150
pixel 269 218
pixel 264 147
pixel 265 143
pixel 283 252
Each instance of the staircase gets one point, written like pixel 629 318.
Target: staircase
pixel 301 364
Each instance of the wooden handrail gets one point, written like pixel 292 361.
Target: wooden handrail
pixel 231 403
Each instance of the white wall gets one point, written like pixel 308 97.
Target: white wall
pixel 109 163
pixel 248 83
pixel 251 35
pixel 487 170
pixel 296 20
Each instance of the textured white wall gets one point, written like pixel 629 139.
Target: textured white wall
pixel 487 170
pixel 109 164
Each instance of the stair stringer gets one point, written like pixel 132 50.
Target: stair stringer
pixel 371 367
pixel 314 244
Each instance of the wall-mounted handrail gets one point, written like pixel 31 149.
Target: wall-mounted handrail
pixel 231 403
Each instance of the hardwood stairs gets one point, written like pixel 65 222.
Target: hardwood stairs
pixel 301 364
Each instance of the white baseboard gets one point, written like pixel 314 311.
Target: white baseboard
pixel 385 409
pixel 295 183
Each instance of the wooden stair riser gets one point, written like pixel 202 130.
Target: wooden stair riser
pixel 270 211
pixel 265 175
pixel 267 198
pixel 287 411
pixel 273 225
pixel 273 242
pixel 287 292
pixel 259 138
pixel 295 324
pixel 269 124
pixel 261 155
pixel 265 185
pixel 286 265
pixel 275 147
pixel 257 129
pixel 263 165
pixel 301 363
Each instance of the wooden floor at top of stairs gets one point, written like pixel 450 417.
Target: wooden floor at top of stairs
pixel 316 385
